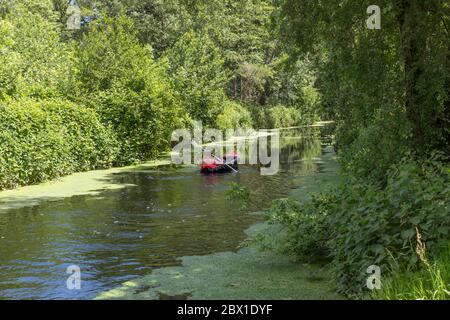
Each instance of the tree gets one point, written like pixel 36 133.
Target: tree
pixel 393 78
pixel 159 23
pixel 199 76
pixel 425 49
pixel 118 77
pixel 33 61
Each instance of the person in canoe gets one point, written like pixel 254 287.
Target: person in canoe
pixel 213 164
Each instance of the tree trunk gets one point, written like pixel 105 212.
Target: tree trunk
pixel 411 55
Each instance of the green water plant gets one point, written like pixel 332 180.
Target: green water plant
pixel 240 194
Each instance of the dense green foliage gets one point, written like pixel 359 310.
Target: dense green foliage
pixel 33 60
pixel 148 67
pixel 46 139
pixel 117 77
pixel 234 116
pixel 388 92
pixel 356 224
pixel 224 50
pixel 390 84
pixel 198 75
pixel 430 283
pixel 240 194
pixel 111 93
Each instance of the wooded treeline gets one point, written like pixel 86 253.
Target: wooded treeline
pixel 388 91
pixel 144 68
pixel 387 88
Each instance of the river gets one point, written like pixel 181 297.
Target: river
pixel 160 215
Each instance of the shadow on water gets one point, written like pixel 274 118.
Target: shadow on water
pixel 118 235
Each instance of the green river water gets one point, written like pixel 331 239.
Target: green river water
pixel 161 232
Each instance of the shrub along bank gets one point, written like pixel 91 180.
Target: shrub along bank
pixel 358 224
pixel 42 140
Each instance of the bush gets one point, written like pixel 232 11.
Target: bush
pixel 276 117
pixel 42 140
pixel 359 224
pixel 117 77
pixel 368 152
pixel 34 62
pixel 283 117
pixel 142 121
pixel 199 76
pixel 234 116
pixel 305 229
pixel 239 194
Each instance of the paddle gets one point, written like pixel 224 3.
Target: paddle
pixel 215 157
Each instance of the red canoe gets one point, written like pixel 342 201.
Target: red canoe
pixel 216 165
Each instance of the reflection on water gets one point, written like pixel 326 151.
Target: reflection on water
pixel 122 234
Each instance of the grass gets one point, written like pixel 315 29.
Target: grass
pixel 430 283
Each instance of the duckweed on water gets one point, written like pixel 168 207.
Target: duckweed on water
pixel 82 183
pixel 245 274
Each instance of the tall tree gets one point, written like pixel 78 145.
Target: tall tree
pixel 132 93
pixel 34 62
pixel 199 75
pixel 400 69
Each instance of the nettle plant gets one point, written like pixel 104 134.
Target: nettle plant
pixel 358 224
